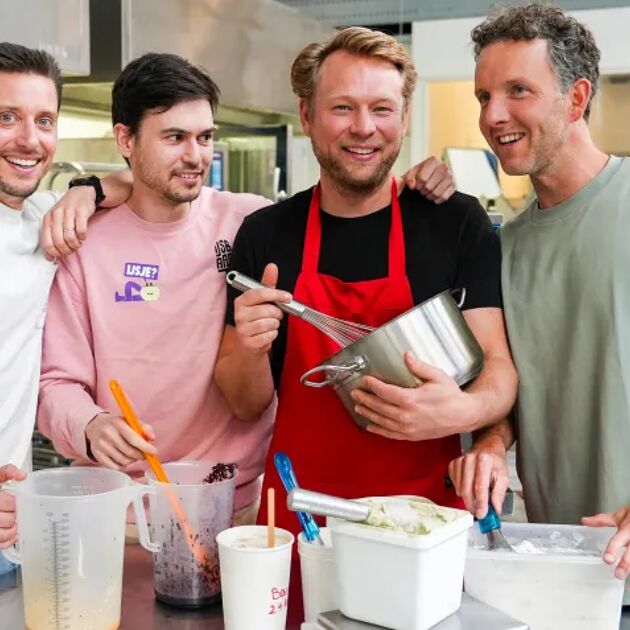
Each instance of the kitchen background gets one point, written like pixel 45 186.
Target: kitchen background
pixel 248 46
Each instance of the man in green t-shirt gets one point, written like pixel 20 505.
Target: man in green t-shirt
pixel 564 279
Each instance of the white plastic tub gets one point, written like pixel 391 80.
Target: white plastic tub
pixel 397 580
pixel 557 590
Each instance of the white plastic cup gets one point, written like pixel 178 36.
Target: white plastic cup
pixel 254 577
pixel 319 580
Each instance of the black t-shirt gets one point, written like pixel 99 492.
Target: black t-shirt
pixel 447 246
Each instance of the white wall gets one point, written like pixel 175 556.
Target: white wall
pixel 441 51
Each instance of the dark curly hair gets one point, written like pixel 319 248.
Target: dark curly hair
pixel 571 46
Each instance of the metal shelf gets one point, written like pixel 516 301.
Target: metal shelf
pixel 44 453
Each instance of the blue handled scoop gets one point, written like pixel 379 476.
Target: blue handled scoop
pixel 287 475
pixel 490 525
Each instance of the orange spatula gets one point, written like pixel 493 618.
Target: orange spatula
pixel 198 551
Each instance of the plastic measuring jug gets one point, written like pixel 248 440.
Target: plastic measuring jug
pixel 179 578
pixel 71 529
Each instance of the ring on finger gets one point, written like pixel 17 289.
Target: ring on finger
pixel 69 229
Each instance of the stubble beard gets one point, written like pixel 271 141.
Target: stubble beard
pixel 163 186
pixel 9 190
pixel 176 198
pixel 346 181
pixel 542 158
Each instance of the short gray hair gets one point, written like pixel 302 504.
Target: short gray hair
pixel 572 49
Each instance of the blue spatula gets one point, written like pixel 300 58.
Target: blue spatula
pixel 287 475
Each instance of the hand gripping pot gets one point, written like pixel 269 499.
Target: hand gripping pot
pixel 434 332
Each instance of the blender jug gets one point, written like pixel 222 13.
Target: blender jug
pixel 71 527
pixel 179 578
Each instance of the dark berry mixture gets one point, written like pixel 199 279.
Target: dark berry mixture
pixel 220 472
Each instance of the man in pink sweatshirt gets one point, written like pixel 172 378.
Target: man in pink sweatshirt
pixel 144 300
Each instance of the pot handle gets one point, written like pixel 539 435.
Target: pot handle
pixel 357 365
pixel 462 296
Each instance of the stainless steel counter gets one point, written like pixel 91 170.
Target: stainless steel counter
pixel 140 610
pixel 139 607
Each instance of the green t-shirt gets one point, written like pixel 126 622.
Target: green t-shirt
pixel 566 291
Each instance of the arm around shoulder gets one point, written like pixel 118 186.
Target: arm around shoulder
pixel 65 226
pixel 117 188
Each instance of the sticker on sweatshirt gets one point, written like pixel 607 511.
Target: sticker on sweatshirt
pixel 134 291
pixel 143 271
pixel 223 252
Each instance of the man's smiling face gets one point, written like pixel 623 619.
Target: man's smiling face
pixel 28 133
pixel 524 116
pixel 357 120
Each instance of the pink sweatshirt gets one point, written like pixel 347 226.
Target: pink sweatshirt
pixel 144 303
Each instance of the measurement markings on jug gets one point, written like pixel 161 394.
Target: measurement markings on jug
pixel 58 539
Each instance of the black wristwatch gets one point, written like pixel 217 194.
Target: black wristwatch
pixel 93 181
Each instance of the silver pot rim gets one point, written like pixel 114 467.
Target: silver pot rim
pixel 359 361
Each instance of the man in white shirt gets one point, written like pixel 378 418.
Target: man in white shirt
pixel 30 94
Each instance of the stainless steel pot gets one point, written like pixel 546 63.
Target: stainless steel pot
pixel 434 331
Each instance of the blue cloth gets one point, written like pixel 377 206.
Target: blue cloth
pixel 6 566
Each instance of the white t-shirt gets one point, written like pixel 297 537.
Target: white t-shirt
pixel 25 279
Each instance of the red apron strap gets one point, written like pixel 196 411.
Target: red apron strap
pixel 397 261
pixel 313 237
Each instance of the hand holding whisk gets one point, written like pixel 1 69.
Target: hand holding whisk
pixel 342 332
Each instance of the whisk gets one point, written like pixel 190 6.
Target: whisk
pixel 342 332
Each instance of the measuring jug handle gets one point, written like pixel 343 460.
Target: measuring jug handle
pixel 136 493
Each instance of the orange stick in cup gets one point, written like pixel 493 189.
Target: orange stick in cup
pixel 198 551
pixel 271 518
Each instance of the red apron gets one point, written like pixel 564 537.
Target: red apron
pixel 329 452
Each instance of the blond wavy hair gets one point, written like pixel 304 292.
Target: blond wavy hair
pixel 356 40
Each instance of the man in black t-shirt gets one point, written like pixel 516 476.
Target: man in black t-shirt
pixel 360 246
pixel 447 246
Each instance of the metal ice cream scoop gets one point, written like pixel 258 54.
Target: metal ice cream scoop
pixel 398 510
pixel 327 505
